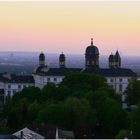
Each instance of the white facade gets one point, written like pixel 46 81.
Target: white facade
pixel 11 88
pixel 118 83
pixel 41 81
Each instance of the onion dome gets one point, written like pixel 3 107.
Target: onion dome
pixel 92 49
pixel 62 60
pixel 62 57
pixel 42 59
pixel 41 56
pixel 111 58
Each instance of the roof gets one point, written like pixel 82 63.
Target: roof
pixel 12 78
pixel 107 72
pixel 64 134
pixel 112 72
pixel 26 133
pixel 56 71
pixel 92 50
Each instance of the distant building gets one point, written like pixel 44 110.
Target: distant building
pixel 44 75
pixel 27 134
pixel 11 83
pixel 55 133
pixel 64 134
pixel 116 76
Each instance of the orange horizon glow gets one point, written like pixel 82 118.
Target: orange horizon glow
pixel 54 27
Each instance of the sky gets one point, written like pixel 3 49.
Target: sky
pixel 68 26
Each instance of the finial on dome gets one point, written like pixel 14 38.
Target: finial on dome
pixel 91 41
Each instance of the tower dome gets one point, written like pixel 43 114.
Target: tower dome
pixel 62 60
pixel 42 59
pixel 111 58
pixel 92 49
pixel 92 56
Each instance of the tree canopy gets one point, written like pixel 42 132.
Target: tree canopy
pixel 82 101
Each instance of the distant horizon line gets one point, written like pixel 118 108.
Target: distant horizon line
pixel 60 53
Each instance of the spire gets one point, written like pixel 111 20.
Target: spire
pixel 91 41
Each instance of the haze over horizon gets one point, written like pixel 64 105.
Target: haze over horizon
pixel 65 26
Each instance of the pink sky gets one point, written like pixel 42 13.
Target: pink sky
pixel 54 27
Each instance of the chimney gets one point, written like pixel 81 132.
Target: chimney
pixel 21 134
pixel 7 76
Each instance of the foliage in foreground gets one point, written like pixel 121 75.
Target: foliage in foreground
pixel 82 101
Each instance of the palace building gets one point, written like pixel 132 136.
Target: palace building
pixel 116 76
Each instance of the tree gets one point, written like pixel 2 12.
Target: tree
pixel 53 113
pixel 83 82
pixel 123 133
pixel 136 122
pixel 110 116
pixel 133 92
pixel 31 93
pixel 33 110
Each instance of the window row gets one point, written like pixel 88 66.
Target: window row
pixel 18 86
pixel 120 87
pixel 52 79
pixel 120 80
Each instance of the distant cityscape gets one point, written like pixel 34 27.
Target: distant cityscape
pixel 25 62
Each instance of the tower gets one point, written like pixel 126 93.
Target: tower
pixel 92 56
pixel 117 59
pixel 62 60
pixel 111 61
pixel 41 59
pixel 114 60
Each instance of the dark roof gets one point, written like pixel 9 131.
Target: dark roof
pixel 92 50
pixel 112 72
pixel 7 136
pixel 17 78
pixel 56 71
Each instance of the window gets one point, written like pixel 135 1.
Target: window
pixel 120 79
pixel 9 93
pixel 19 86
pixel 111 80
pixel 120 88
pixel 48 79
pixel 55 79
pixel 9 86
pixel 14 91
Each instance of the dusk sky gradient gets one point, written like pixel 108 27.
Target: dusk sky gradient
pixel 54 27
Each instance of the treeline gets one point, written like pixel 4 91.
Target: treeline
pixel 83 103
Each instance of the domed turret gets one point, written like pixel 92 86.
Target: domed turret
pixel 92 56
pixel 41 59
pixel 62 60
pixel 111 61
